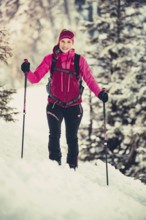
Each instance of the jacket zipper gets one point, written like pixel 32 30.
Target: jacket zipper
pixel 61 81
pixel 68 87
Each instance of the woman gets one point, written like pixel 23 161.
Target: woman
pixel 64 100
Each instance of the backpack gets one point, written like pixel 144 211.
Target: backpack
pixel 76 65
pixel 76 73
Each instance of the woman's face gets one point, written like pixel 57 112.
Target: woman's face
pixel 65 45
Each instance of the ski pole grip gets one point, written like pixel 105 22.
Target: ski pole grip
pixel 25 61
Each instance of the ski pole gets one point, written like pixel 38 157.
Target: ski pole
pixel 24 110
pixel 105 141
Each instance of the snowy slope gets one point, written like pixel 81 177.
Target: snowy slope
pixel 36 188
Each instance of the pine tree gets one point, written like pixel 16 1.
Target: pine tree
pixel 120 52
pixel 6 112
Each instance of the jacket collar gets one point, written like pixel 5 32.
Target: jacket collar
pixel 63 56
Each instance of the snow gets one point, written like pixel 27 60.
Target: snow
pixel 37 188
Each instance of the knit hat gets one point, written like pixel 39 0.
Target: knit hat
pixel 66 34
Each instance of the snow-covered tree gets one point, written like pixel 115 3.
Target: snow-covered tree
pixel 119 42
pixel 6 112
pixel 5 49
pixel 34 26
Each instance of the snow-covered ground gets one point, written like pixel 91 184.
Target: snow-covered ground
pixel 39 189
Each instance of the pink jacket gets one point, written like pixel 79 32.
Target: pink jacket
pixel 65 61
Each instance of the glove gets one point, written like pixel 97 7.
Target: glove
pixel 25 67
pixel 103 96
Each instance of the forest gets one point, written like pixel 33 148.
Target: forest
pixel 111 35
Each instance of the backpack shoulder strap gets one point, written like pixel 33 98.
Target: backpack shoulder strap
pixel 76 64
pixel 53 65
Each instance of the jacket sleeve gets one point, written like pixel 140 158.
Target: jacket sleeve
pixel 88 77
pixel 41 70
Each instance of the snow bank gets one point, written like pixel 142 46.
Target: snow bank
pixel 36 188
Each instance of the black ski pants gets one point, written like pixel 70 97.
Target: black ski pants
pixel 72 117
